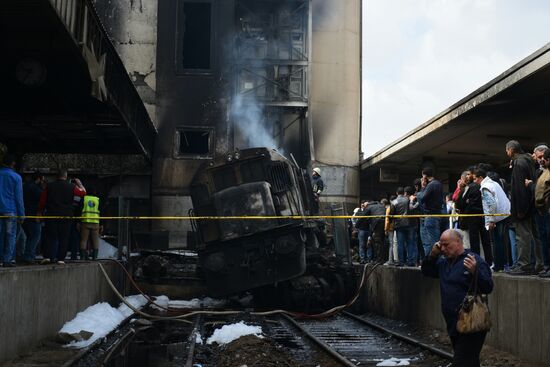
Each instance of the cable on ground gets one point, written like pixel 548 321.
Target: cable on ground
pixel 328 313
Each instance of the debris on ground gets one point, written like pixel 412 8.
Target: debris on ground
pixel 251 351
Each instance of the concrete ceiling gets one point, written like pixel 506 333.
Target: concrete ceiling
pixel 47 99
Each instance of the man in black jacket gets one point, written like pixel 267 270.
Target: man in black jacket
pixel 376 228
pixel 362 226
pixel 404 230
pixel 431 199
pixel 523 168
pixel 57 200
pixel 469 202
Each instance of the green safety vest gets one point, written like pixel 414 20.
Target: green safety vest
pixel 90 210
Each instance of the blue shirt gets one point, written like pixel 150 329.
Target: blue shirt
pixel 454 281
pixel 11 192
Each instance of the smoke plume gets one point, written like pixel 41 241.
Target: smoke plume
pixel 250 122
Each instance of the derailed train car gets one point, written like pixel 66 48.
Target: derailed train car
pixel 244 254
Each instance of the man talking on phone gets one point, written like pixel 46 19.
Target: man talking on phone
pixel 455 266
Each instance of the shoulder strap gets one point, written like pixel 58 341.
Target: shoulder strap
pixel 473 290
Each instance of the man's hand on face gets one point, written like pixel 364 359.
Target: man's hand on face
pixel 424 181
pixel 436 250
pixel 470 263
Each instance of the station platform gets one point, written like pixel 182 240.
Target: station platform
pixel 519 307
pixel 36 300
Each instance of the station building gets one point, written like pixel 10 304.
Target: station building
pixel 165 86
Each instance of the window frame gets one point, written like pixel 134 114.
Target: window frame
pixel 178 57
pixel 177 140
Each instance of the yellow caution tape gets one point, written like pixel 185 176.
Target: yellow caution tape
pixel 261 217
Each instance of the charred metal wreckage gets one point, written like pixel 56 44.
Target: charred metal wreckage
pixel 283 261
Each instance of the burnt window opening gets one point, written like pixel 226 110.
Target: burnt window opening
pixel 194 142
pixel 196 48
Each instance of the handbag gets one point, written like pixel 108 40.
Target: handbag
pixel 473 315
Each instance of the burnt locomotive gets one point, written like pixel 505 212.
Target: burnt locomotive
pixel 251 254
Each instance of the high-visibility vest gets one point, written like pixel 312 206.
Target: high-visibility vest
pixel 90 210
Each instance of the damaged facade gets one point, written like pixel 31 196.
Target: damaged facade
pixel 221 75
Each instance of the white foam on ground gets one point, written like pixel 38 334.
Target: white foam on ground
pixel 100 319
pixel 106 250
pixel 228 333
pixel 206 302
pixel 137 301
pixel 395 362
pixel 197 303
pixel 161 301
pixel 198 339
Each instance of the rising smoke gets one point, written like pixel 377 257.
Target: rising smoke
pixel 250 121
pixel 255 124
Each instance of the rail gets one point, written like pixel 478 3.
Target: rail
pixel 353 346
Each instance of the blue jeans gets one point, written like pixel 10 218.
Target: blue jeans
pixel 8 235
pixel 406 245
pixel 429 233
pixel 416 249
pixel 20 240
pixel 543 223
pixel 363 236
pixel 33 229
pixel 499 254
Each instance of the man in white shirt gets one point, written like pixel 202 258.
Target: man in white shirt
pixel 494 201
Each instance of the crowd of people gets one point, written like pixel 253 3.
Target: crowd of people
pixel 507 222
pixel 22 238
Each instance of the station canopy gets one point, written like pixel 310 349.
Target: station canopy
pixel 514 105
pixel 64 88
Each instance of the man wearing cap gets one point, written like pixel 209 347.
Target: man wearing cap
pixel 318 186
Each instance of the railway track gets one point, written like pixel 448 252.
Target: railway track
pixel 341 340
pixel 357 341
pixel 345 340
